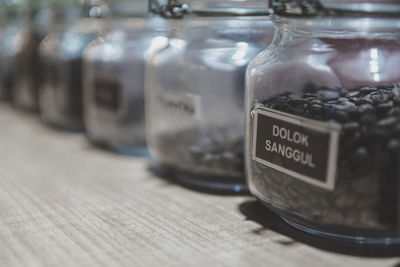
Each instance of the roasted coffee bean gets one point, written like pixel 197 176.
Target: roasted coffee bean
pixel 364 108
pixel 329 95
pixel 297 102
pixel 217 153
pixel 365 90
pixel 367 163
pixel 394 112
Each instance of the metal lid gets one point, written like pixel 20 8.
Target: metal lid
pixel 128 8
pixel 13 8
pixel 208 8
pixel 73 9
pixel 336 7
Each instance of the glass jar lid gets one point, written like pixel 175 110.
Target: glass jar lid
pixel 208 8
pixel 336 7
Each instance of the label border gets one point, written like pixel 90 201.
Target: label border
pixel 332 129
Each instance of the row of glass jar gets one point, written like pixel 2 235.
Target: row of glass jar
pixel 321 104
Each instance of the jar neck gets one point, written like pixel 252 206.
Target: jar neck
pixel 340 27
pixel 191 25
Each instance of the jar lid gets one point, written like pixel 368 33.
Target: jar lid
pixel 73 9
pixel 13 8
pixel 208 8
pixel 335 7
pixel 128 8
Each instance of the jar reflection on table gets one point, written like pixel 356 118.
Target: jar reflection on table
pixel 114 77
pixel 61 93
pixel 323 107
pixel 196 92
pixel 28 69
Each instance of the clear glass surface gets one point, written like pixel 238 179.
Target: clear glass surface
pixel 114 83
pixel 195 92
pixel 342 72
pixel 61 92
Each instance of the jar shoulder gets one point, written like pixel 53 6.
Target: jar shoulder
pixel 325 62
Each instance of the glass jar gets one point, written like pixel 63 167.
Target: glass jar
pixel 11 29
pixel 195 91
pixel 323 119
pixel 27 69
pixel 114 67
pixel 61 92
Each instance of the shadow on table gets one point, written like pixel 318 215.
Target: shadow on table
pixel 198 184
pixel 268 220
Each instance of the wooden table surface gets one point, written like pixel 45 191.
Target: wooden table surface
pixel 65 203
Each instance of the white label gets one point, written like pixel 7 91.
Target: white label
pixel 181 103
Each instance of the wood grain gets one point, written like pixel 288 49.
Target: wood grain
pixel 64 203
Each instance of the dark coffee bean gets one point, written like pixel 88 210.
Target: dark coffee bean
pixel 341 116
pixel 366 90
pixel 345 106
pixel 388 122
pixel 378 135
pixel 365 108
pixel 309 95
pixel 353 94
pixel 379 98
pixel 316 107
pixel 351 126
pixel 394 112
pixel 316 101
pixel 394 145
pixel 368 157
pixel 329 95
pixel 365 100
pixel 368 118
pixel 362 153
pixel 385 106
pixel 297 101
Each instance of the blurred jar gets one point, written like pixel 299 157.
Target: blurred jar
pixel 11 31
pixel 4 92
pixel 323 107
pixel 114 77
pixel 75 25
pixel 194 102
pixel 28 69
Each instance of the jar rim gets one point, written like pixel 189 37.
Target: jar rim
pixel 339 8
pixel 347 26
pixel 177 9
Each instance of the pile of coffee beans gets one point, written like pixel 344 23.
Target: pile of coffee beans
pixel 366 193
pixel 217 152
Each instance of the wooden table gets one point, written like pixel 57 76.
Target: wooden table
pixel 65 203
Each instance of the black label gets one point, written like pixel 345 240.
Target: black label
pixel 302 148
pixel 107 93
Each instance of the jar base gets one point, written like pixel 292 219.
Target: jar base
pixel 210 184
pixel 76 128
pixel 130 151
pixel 343 238
pixel 25 109
pixel 142 152
pixel 336 233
